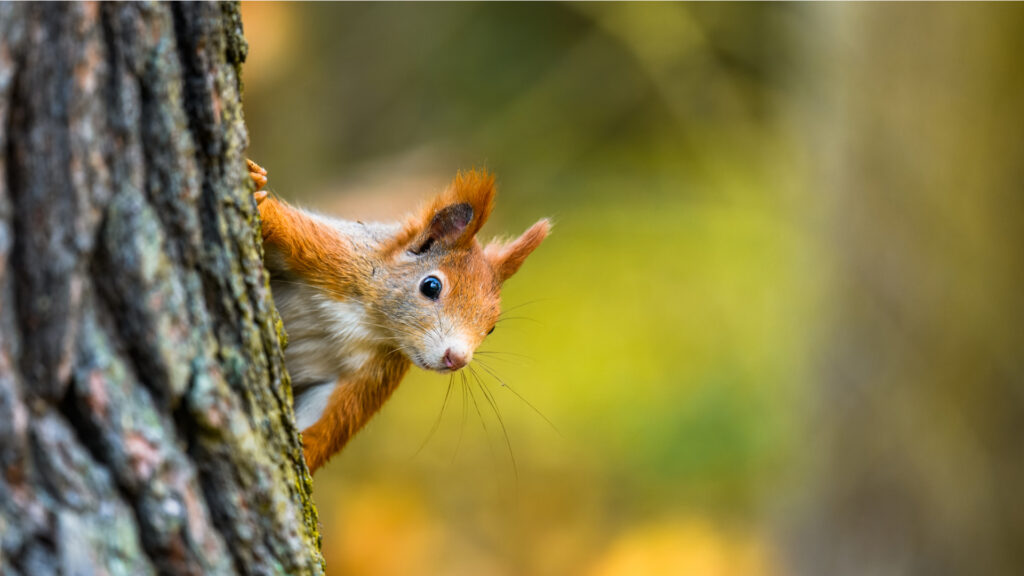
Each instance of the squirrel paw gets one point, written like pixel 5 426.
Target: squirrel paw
pixel 258 174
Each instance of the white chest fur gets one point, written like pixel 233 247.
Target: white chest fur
pixel 328 340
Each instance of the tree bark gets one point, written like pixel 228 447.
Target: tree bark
pixel 146 424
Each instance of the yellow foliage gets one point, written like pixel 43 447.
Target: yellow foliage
pixel 690 548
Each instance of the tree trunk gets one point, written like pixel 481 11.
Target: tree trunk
pixel 919 418
pixel 145 413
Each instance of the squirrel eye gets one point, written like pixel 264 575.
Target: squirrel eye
pixel 431 287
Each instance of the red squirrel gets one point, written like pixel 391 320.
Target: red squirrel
pixel 361 302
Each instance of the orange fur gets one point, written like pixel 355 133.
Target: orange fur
pixel 507 258
pixel 311 248
pixel 350 407
pixel 345 268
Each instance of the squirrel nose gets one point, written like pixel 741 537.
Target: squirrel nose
pixel 454 360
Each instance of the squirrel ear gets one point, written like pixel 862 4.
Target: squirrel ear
pixel 507 258
pixel 453 218
pixel 446 226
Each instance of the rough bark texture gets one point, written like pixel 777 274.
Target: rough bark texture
pixel 145 413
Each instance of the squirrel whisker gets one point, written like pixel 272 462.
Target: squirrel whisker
pixel 501 421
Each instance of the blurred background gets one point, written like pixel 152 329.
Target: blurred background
pixel 777 329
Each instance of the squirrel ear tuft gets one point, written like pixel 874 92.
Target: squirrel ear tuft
pixel 507 258
pixel 476 188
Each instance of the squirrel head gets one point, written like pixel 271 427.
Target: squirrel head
pixel 440 288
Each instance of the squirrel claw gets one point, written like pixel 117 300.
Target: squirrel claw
pixel 254 167
pixel 257 173
pixel 260 196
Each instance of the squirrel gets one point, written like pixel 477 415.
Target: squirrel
pixel 361 302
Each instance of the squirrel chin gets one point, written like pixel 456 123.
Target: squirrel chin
pixel 419 363
pixel 438 369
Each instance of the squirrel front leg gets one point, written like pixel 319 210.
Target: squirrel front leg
pixel 275 214
pixel 305 243
pixel 350 406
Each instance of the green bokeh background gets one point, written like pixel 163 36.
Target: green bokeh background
pixel 768 219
